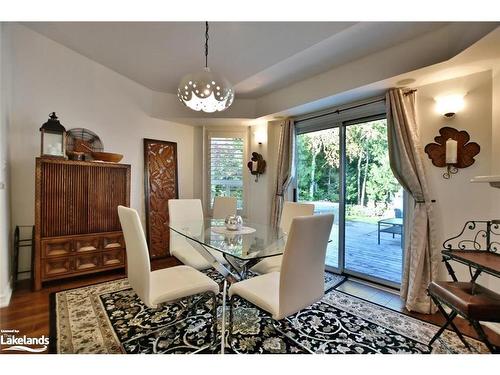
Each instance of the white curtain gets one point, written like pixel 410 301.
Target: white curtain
pixel 284 172
pixel 405 154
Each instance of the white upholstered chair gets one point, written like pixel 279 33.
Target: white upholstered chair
pixel 223 207
pixel 300 282
pixel 160 286
pixel 290 211
pixel 188 210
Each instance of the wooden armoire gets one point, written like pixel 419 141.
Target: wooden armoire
pixel 77 230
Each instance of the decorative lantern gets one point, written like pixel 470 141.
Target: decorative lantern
pixel 53 138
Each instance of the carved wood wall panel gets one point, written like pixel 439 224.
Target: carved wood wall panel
pixel 160 185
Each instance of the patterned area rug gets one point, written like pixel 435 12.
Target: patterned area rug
pixel 110 318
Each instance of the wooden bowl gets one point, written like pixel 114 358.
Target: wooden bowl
pixel 76 156
pixel 107 156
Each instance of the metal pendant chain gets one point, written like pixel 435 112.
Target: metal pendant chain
pixel 206 44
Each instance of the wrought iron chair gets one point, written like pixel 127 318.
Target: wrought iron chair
pixel 477 247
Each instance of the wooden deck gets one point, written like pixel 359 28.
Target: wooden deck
pixel 364 255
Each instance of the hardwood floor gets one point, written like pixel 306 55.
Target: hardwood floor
pixel 28 311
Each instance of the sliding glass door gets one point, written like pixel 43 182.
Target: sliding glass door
pixel 345 170
pixel 373 205
pixel 318 168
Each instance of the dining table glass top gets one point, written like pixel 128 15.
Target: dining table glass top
pixel 255 241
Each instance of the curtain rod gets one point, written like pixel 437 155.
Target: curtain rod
pixel 338 111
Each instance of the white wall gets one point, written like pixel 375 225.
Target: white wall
pixel 458 200
pixel 495 155
pixel 49 77
pixel 5 287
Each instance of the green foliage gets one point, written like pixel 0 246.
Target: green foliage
pixel 317 166
pixel 369 178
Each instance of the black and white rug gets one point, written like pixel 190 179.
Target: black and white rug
pixel 110 318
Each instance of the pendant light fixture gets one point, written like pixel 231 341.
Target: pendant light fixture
pixel 205 90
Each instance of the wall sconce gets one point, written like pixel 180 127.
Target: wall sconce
pixel 448 105
pixel 260 136
pixel 452 150
pixel 256 165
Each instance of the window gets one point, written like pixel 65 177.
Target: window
pixel 226 157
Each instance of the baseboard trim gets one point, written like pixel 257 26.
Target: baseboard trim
pixel 5 297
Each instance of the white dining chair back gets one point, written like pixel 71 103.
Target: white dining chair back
pixel 188 211
pixel 302 270
pixel 184 210
pixel 292 210
pixel 136 247
pixel 223 207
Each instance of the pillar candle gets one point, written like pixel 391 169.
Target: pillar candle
pixel 254 166
pixel 451 151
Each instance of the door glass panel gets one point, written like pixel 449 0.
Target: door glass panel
pixel 318 179
pixel 373 205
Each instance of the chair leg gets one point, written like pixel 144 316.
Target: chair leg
pixel 454 327
pixel 449 321
pixel 482 335
pixel 231 317
pixel 214 317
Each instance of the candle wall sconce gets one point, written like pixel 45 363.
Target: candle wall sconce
pixel 452 150
pixel 256 165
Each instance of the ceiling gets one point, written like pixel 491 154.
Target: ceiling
pixel 257 57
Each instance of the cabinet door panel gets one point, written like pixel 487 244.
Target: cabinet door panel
pixel 63 201
pixel 107 190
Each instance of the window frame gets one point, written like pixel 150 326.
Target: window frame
pixel 216 133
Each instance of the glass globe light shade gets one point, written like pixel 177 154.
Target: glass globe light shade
pixel 205 91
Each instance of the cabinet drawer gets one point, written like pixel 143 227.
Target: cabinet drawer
pixel 113 258
pixel 113 241
pixel 56 266
pixel 87 262
pixel 86 244
pixel 56 247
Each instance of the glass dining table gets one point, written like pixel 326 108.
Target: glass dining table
pixel 231 252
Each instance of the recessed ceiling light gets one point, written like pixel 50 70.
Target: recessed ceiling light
pixel 406 81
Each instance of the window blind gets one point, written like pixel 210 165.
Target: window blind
pixel 226 168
